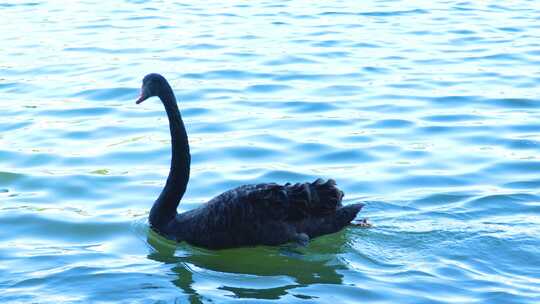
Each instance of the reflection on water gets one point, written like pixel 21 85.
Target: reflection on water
pixel 260 273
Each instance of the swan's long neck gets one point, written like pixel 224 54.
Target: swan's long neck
pixel 164 209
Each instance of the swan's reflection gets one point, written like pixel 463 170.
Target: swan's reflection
pixel 260 273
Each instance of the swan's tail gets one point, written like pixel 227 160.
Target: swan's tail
pixel 331 223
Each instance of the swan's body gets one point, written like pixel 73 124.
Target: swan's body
pixel 263 214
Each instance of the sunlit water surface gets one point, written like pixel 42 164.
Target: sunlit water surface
pixel 428 111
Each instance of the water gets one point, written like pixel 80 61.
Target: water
pixel 429 112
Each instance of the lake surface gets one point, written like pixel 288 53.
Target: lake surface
pixel 427 111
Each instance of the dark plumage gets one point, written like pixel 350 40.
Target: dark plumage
pixel 250 215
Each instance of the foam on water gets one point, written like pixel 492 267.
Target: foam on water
pixel 429 112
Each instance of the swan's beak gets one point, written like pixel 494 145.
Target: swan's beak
pixel 143 96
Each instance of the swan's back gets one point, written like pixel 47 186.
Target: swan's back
pixel 266 214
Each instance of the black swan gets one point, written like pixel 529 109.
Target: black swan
pixel 250 215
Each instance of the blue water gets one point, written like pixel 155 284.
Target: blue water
pixel 426 110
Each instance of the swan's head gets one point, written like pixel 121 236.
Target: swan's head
pixel 152 85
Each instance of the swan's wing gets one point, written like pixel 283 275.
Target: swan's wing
pixel 292 202
pixel 266 214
